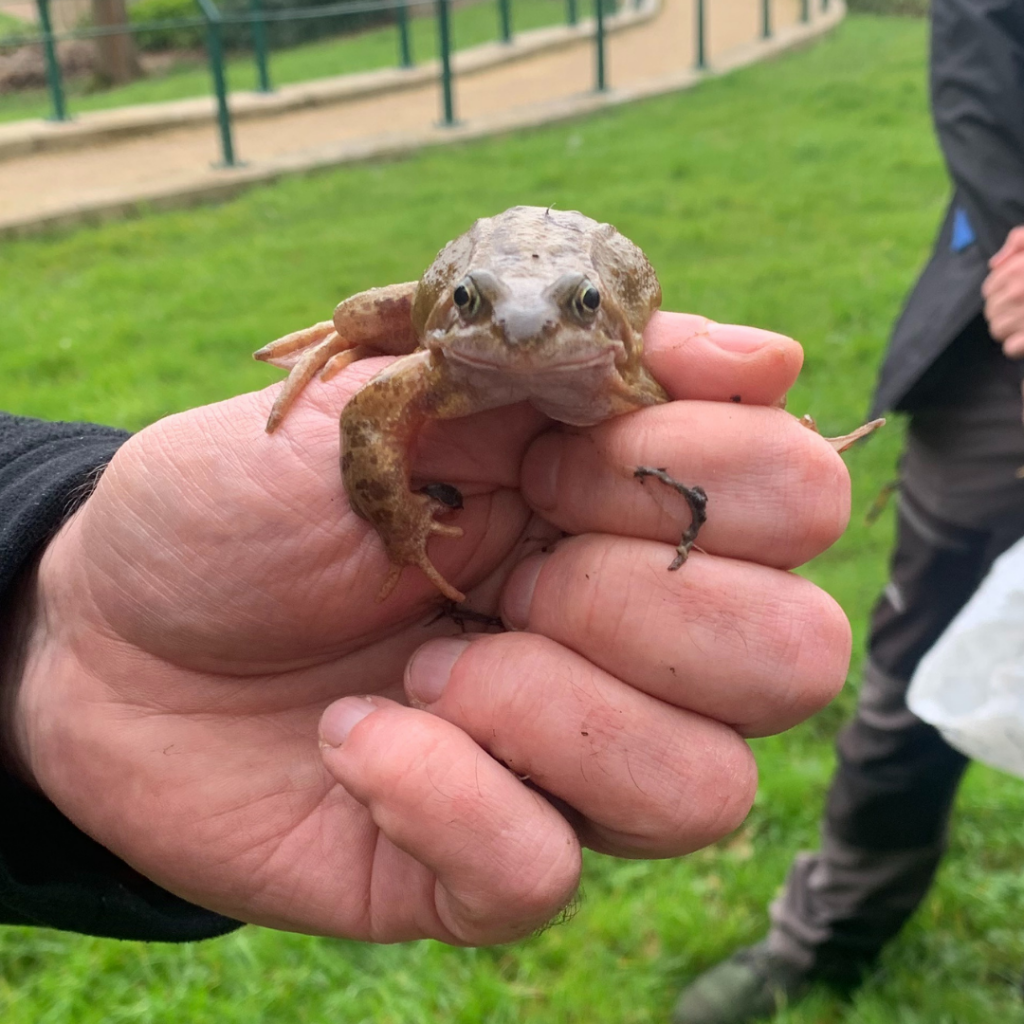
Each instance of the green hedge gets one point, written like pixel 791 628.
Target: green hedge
pixel 237 37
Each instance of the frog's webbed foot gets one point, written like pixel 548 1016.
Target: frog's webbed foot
pixel 405 540
pixel 696 498
pixel 313 350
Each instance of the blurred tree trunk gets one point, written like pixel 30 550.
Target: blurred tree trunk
pixel 116 59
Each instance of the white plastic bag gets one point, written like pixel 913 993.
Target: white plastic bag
pixel 970 685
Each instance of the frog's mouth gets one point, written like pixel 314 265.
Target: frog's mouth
pixel 532 363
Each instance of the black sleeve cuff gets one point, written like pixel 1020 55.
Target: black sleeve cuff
pixel 51 873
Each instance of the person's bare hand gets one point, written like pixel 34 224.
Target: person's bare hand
pixel 1003 291
pixel 211 608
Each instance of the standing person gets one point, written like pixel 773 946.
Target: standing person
pixel 951 365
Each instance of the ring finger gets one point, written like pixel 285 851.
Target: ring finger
pixel 648 779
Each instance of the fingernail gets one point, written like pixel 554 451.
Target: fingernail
pixel 341 718
pixel 428 671
pixel 540 472
pixel 518 595
pixel 736 338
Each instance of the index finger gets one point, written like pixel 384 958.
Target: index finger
pixel 696 358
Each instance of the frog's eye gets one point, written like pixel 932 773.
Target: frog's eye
pixel 588 298
pixel 466 297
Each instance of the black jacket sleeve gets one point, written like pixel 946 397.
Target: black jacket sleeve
pixel 51 873
pixel 977 92
pixel 977 85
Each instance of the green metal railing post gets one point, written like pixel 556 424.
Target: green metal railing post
pixel 404 42
pixel 602 84
pixel 766 19
pixel 572 15
pixel 701 61
pixel 505 20
pixel 215 49
pixel 259 45
pixel 60 112
pixel 444 32
pixel 805 11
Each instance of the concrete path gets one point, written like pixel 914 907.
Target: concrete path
pixel 166 154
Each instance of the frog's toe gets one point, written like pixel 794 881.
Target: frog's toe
pixel 390 582
pixel 424 563
pixel 443 530
pixel 440 582
pixel 340 360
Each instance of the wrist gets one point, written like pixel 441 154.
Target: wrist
pixel 20 626
pixel 31 661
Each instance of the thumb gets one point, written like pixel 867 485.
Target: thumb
pixel 695 358
pixel 504 860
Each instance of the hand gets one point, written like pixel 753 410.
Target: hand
pixel 212 604
pixel 1003 291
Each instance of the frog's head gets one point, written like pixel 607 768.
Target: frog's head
pixel 535 289
pixel 529 323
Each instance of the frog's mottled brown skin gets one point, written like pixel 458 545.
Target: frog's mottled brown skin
pixel 545 306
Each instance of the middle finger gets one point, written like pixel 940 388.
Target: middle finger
pixel 777 492
pixel 755 647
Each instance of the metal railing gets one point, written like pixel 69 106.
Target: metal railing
pixel 214 22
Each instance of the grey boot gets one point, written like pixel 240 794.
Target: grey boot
pixel 753 984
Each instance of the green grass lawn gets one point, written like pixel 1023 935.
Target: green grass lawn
pixel 374 48
pixel 11 26
pixel 801 195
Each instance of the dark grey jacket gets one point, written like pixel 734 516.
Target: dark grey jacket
pixel 50 872
pixel 977 92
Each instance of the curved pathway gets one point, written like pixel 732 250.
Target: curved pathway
pixel 651 51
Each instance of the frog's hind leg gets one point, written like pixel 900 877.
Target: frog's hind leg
pixel 840 444
pixel 696 498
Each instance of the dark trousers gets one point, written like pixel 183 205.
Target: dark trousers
pixel 883 835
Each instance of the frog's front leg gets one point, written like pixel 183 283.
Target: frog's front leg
pixel 378 430
pixel 374 322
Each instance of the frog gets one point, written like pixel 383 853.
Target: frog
pixel 534 304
